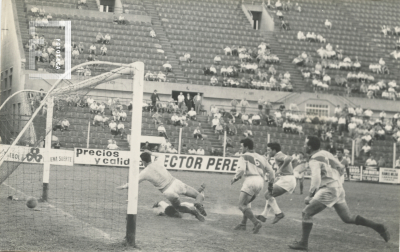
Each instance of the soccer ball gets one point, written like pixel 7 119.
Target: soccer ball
pixel 31 202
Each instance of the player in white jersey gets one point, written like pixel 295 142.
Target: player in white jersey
pixel 170 187
pixel 162 208
pixel 326 191
pixel 285 182
pixel 252 167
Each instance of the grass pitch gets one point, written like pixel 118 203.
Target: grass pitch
pixel 86 213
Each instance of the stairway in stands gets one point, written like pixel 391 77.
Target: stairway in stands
pixel 166 45
pixel 23 26
pixel 297 80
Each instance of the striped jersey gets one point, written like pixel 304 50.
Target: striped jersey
pixel 251 164
pixel 279 160
pixel 329 165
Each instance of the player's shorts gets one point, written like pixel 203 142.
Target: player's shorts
pixel 176 188
pixel 298 175
pixel 329 196
pixel 287 182
pixel 342 179
pixel 253 185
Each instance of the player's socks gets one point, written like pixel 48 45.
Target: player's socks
pixel 301 187
pixel 267 208
pixel 202 187
pixel 274 206
pixel 249 214
pixel 380 228
pixel 306 226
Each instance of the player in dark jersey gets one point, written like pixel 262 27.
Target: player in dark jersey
pixel 284 182
pixel 327 191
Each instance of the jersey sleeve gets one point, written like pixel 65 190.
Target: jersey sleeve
pixel 280 157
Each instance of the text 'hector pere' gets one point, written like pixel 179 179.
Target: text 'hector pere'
pixel 200 163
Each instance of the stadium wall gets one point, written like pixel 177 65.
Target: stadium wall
pixel 222 96
pixel 12 52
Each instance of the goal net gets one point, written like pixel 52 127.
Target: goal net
pixel 76 201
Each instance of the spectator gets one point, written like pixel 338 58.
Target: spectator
pixel 175 120
pixel 56 145
pixel 167 67
pixel 64 124
pixel 244 104
pixel 368 114
pixel 157 118
pixel 81 47
pixel 227 50
pixel 75 54
pixel 213 81
pixel 245 119
pixel 103 50
pixel 231 129
pixel 121 129
pixel 121 19
pixel 192 114
pixel 154 97
pixel 94 108
pixel 112 145
pixel 172 150
pixel 366 149
pixel 152 33
pixel 217 60
pixel 397 165
pixel 99 38
pixel 107 39
pixel 98 120
pixel 181 100
pixel 197 133
pixel 92 49
pixel 188 101
pixel 200 151
pixel 161 77
pixel 381 162
pixel 161 131
pixel 328 24
pixel 256 119
pixel 215 122
pixel 197 100
pixel 246 132
pixel 113 128
pixel 187 57
pixel 371 162
pixel 146 146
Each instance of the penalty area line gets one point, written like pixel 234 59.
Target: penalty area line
pixel 99 232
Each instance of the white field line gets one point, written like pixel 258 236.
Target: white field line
pixel 100 232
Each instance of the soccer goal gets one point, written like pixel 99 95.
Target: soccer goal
pixel 74 201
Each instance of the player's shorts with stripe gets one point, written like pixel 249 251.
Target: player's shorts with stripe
pixel 253 185
pixel 329 196
pixel 176 188
pixel 287 182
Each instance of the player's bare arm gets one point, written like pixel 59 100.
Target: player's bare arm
pixel 286 162
pixel 239 171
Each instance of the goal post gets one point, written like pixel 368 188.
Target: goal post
pixel 136 132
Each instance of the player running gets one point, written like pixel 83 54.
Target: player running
pixel 300 166
pixel 286 182
pixel 252 167
pixel 344 162
pixel 157 174
pixel 327 191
